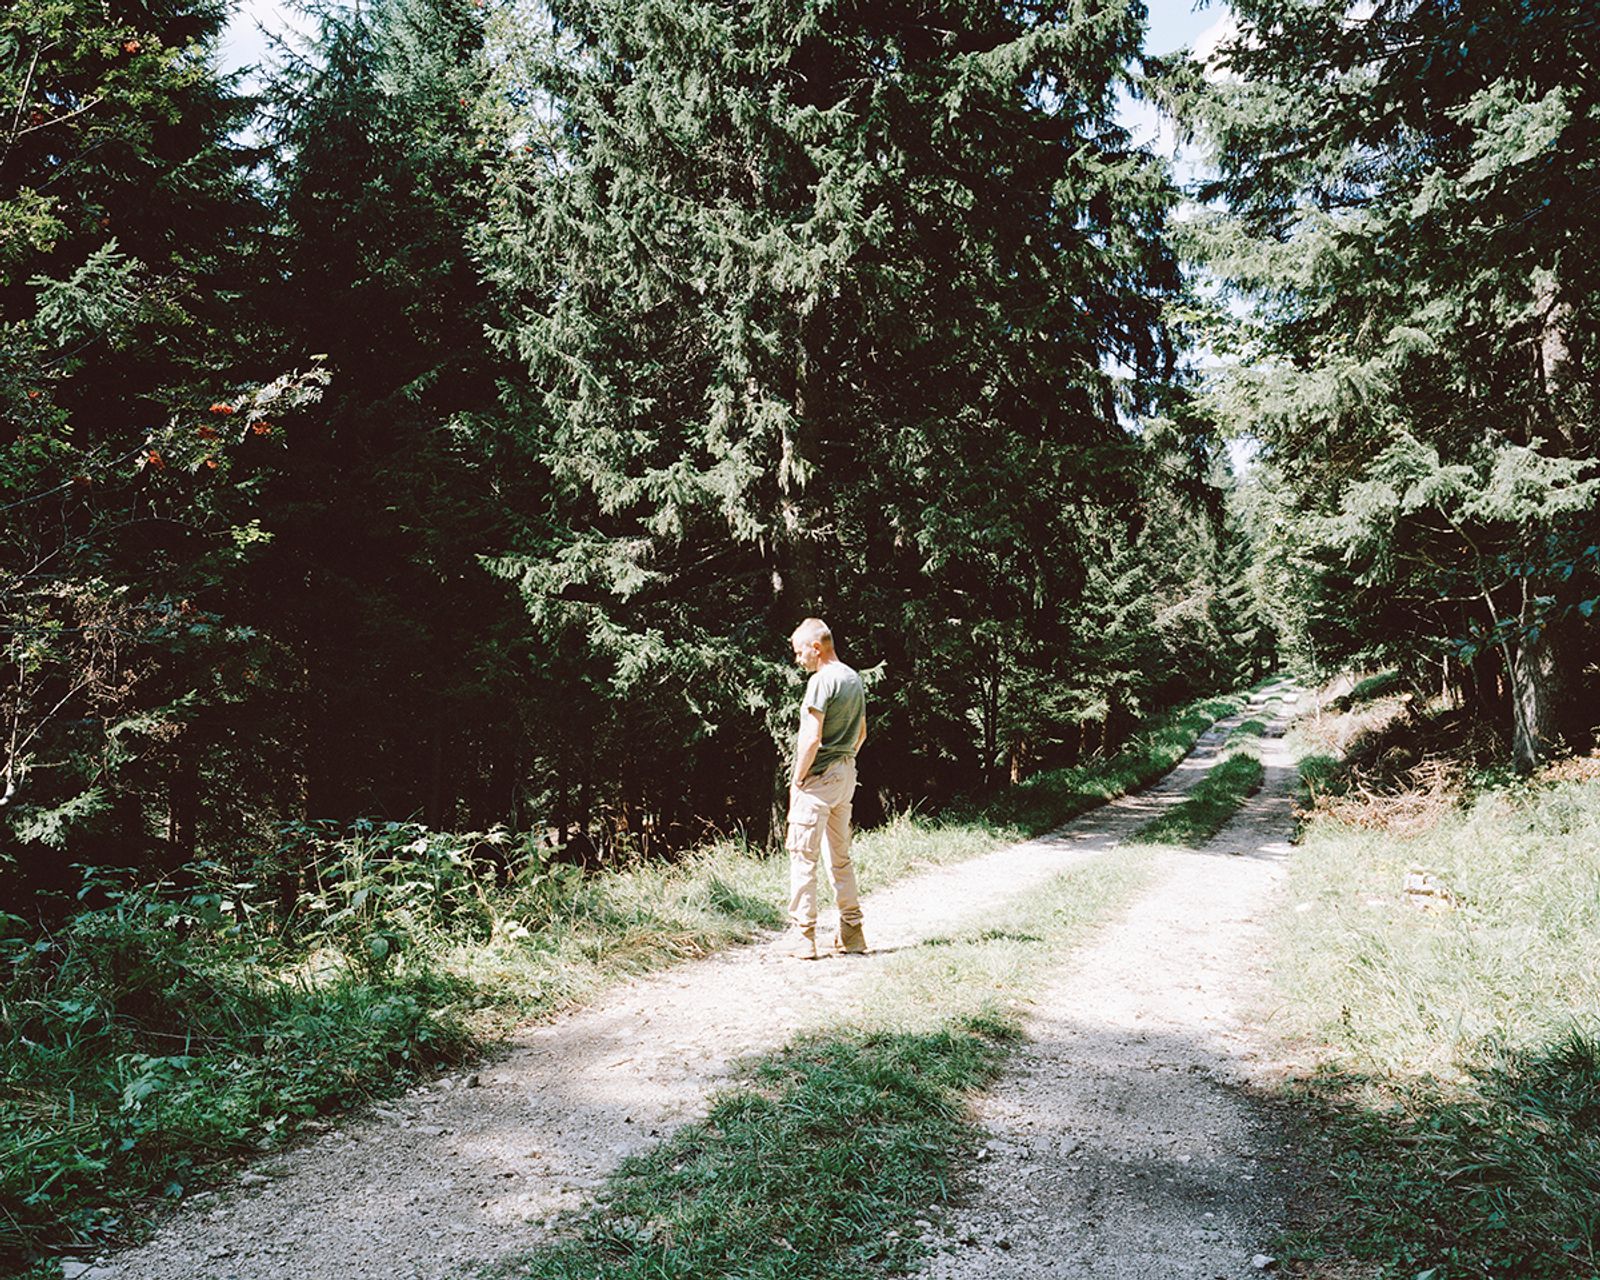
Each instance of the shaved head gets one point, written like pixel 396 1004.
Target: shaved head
pixel 813 631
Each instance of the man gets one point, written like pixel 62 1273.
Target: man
pixel 833 725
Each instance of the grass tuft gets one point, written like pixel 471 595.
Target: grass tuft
pixel 799 1174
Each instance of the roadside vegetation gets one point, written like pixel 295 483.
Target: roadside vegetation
pixel 1229 783
pixel 178 1024
pixel 1440 962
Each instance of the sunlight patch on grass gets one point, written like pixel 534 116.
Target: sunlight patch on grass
pixel 1449 985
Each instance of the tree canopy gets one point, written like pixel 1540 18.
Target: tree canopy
pixel 455 429
pixel 1404 196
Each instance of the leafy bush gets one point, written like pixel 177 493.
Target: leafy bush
pixel 149 1035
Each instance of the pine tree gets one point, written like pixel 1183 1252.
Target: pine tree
pixel 819 305
pixel 1408 212
pixel 409 700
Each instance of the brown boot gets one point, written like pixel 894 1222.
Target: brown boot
pixel 850 940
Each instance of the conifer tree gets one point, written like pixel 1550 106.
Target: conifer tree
pixel 407 703
pixel 1409 188
pixel 819 305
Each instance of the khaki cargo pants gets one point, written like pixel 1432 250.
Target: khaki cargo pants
pixel 819 814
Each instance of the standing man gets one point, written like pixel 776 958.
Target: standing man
pixel 833 725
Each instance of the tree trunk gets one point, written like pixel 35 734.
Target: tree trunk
pixel 183 798
pixel 797 591
pixel 991 721
pixel 434 810
pixel 1536 684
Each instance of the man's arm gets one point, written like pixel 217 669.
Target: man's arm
pixel 861 736
pixel 806 744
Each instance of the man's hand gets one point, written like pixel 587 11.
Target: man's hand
pixel 806 744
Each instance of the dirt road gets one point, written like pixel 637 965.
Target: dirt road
pixel 474 1168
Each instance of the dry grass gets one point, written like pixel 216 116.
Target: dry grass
pixel 1572 769
pixel 1401 767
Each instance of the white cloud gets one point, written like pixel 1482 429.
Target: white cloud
pixel 1208 44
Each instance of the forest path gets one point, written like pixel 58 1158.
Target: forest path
pixel 1125 1141
pixel 473 1168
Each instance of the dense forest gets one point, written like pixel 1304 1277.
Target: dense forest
pixel 417 456
pixel 452 432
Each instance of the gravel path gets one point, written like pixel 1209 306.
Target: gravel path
pixel 1124 1139
pixel 474 1168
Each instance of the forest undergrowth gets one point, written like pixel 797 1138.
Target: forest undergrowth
pixel 1439 960
pixel 156 1035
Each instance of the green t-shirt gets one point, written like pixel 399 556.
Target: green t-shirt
pixel 835 690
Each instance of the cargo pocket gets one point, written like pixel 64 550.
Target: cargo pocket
pixel 804 837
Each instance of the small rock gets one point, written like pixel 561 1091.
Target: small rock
pixel 251 1179
pixel 72 1269
pixel 472 1081
pixel 429 1130
pixel 1264 1262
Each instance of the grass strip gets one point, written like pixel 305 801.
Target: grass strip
pixel 820 1164
pixel 1046 800
pixel 1449 984
pixel 141 1046
pixel 1217 797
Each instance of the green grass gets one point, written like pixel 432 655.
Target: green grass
pixel 152 1039
pixel 1379 685
pixel 1319 775
pixel 1460 1044
pixel 819 1164
pixel 100 1113
pixel 1216 798
pixel 1048 799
